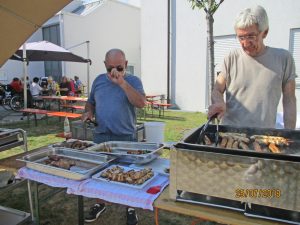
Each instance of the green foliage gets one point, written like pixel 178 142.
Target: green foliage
pixel 209 6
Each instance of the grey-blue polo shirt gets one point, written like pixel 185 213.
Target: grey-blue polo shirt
pixel 113 111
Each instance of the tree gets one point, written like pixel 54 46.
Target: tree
pixel 210 7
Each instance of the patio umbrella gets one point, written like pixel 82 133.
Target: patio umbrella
pixel 20 19
pixel 44 51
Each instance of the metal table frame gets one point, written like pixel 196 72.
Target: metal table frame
pixel 25 147
pixel 37 201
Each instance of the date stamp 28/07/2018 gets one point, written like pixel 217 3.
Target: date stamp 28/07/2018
pixel 257 193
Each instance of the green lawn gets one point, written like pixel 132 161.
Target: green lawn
pixel 177 124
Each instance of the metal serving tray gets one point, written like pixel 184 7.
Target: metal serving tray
pixel 9 138
pixel 86 164
pixel 10 216
pixel 138 186
pixel 120 149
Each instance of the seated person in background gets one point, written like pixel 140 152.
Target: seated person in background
pixel 35 88
pixel 64 86
pixel 72 86
pixel 51 87
pixel 78 86
pixel 16 85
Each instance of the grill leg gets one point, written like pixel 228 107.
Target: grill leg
pixel 80 210
pixel 36 203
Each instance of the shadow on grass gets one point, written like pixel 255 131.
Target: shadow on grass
pixel 150 117
pixel 44 127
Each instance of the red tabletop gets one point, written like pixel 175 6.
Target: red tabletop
pixel 66 98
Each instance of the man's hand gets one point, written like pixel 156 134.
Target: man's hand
pixel 87 116
pixel 116 77
pixel 217 108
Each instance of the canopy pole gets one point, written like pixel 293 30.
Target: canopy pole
pixel 25 75
pixel 88 67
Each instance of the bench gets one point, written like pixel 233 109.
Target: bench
pixel 64 114
pixel 73 107
pixel 34 112
pixel 29 111
pixel 161 107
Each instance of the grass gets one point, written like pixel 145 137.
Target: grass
pixel 61 209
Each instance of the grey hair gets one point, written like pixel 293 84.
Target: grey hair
pixel 252 16
pixel 114 51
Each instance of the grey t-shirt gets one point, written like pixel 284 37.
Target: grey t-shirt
pixel 114 113
pixel 254 86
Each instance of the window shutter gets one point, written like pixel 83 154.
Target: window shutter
pixel 295 51
pixel 223 45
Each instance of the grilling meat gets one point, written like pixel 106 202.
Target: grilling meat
pixel 264 139
pixel 60 162
pixel 236 136
pixel 258 143
pixel 223 142
pixel 117 174
pixel 63 163
pixel 229 142
pixel 80 145
pixel 207 141
pixel 138 152
pixel 243 145
pixel 235 145
pixel 274 148
pixel 257 147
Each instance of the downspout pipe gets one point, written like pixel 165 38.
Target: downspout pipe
pixel 62 38
pixel 169 52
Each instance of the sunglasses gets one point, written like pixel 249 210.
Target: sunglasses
pixel 118 68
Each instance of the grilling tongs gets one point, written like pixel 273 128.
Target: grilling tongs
pixel 202 132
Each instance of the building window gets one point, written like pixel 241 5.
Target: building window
pixel 223 45
pixel 53 68
pixel 130 69
pixel 295 51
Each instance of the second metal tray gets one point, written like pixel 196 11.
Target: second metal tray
pixel 149 151
pixel 85 164
pixel 98 177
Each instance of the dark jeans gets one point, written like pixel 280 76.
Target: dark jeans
pixel 99 138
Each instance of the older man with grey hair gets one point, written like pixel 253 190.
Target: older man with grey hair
pixel 254 77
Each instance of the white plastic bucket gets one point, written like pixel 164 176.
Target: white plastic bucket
pixel 154 131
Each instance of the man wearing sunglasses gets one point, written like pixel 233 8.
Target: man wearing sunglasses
pixel 254 77
pixel 113 98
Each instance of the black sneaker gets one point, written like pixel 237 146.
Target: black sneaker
pixel 132 218
pixel 95 212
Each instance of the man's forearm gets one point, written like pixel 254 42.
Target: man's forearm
pixel 89 108
pixel 289 112
pixel 217 97
pixel 134 97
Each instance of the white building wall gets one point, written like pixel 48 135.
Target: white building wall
pixel 112 25
pixel 14 68
pixel 190 41
pixel 154 46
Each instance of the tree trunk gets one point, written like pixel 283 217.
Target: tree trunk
pixel 211 54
